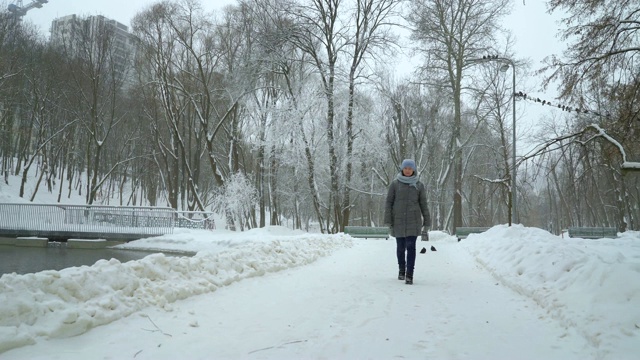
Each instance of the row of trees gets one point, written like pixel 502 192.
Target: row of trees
pixel 279 109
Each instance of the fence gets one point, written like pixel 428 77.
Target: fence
pixel 195 220
pixel 84 220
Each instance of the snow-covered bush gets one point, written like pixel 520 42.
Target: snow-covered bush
pixel 236 200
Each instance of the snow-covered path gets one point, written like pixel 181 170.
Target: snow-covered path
pixel 345 306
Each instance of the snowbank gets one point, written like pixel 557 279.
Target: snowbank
pixel 590 285
pixel 66 303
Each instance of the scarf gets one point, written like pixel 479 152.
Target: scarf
pixel 411 180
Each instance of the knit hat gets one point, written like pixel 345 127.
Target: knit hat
pixel 408 163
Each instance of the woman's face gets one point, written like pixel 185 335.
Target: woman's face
pixel 407 171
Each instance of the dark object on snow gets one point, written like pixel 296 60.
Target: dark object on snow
pixel 401 275
pixel 424 250
pixel 433 248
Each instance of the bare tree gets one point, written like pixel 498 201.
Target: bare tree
pixel 598 70
pixel 47 122
pixel 101 71
pixel 450 33
pixel 158 46
pixel 595 170
pixel 16 43
pixel 193 91
pixel 601 42
pixel 373 22
pixel 173 37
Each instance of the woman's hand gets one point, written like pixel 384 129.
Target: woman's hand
pixel 425 233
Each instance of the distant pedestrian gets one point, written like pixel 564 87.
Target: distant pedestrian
pixel 407 216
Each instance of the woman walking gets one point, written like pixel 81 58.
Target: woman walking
pixel 406 214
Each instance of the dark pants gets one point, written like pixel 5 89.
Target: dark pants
pixel 408 245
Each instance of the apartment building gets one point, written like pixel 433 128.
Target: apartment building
pixel 91 35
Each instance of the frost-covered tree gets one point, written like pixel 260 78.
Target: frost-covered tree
pixel 237 199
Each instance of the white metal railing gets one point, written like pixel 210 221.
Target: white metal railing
pixel 87 219
pixel 195 220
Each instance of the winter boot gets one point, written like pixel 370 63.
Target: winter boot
pixel 409 279
pixel 401 275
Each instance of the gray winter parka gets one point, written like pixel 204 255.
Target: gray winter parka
pixel 406 210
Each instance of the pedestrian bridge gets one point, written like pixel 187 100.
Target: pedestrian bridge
pixel 58 222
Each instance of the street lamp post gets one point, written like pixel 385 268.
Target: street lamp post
pixel 506 63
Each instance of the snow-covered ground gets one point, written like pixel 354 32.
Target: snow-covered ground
pixel 510 293
pixel 273 293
